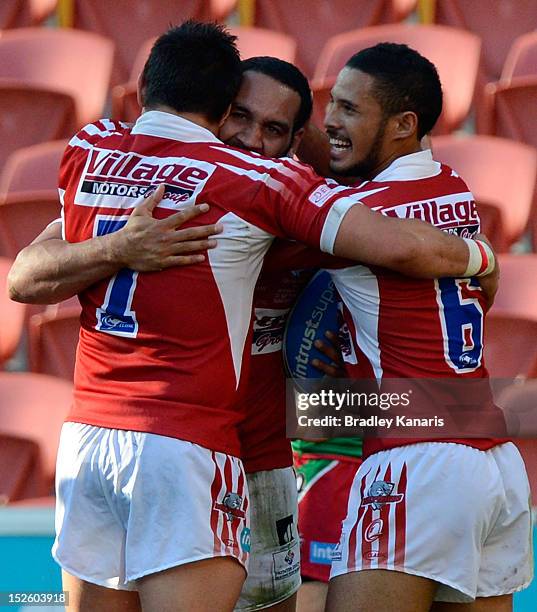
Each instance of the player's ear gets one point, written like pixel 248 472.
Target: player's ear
pixel 295 141
pixel 404 125
pixel 224 116
pixel 140 90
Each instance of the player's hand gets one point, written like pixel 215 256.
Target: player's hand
pixel 335 367
pixel 147 244
pixel 490 282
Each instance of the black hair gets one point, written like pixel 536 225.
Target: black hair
pixel 194 67
pixel 404 81
pixel 288 75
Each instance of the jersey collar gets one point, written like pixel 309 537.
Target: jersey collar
pixel 411 167
pixel 173 127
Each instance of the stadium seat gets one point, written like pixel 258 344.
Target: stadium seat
pixel 511 112
pixel 518 402
pixel 67 61
pixel 12 317
pixel 34 406
pixel 24 122
pixel 313 23
pixel 20 469
pixel 482 162
pixel 53 339
pixel 23 216
pixel 522 58
pixel 454 52
pixel 510 346
pixel 511 109
pixel 33 168
pixel 260 41
pixel 131 22
pixel 22 13
pixel 517 294
pixel 497 24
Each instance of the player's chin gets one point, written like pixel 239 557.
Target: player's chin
pixel 340 166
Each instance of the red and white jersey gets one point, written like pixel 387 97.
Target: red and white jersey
pixel 164 352
pixel 262 433
pixel 408 328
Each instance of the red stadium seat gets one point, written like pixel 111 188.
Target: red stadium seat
pixel 22 13
pixel 522 58
pixel 498 23
pixel 517 294
pixel 53 340
pixel 33 168
pixel 482 162
pixel 510 346
pixel 21 473
pixel 313 23
pixel 455 53
pixel 260 41
pixel 34 406
pixel 131 22
pixel 511 112
pixel 12 316
pixel 68 61
pixel 23 216
pixel 23 122
pixel 518 402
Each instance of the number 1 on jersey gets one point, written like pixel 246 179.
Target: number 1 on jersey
pixel 115 316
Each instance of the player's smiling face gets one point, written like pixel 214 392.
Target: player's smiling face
pixel 356 126
pixel 262 116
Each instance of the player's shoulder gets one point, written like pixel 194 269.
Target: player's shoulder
pixel 92 133
pixel 231 157
pixel 385 194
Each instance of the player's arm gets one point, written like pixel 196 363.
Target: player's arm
pixel 408 246
pixel 51 270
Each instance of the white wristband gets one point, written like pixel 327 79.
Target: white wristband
pixel 481 260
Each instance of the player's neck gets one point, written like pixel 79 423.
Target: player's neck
pixel 196 118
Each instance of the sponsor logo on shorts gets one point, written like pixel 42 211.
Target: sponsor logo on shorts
pixel 231 506
pixel 380 493
pixel 321 552
pixel 374 530
pixel 269 326
pixel 370 555
pixel 286 562
pixel 245 539
pixel 337 553
pixel 284 528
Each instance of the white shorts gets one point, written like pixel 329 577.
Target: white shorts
pixel 447 512
pixel 274 566
pixel 131 504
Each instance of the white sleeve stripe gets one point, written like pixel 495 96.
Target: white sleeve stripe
pixel 268 164
pixel 93 130
pixel 61 193
pixel 253 175
pixel 333 221
pixel 109 125
pixel 78 142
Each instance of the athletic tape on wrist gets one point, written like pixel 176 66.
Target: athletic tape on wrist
pixel 481 260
